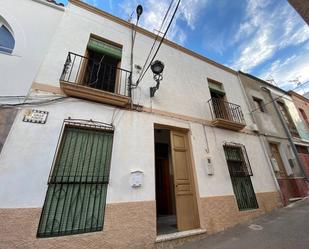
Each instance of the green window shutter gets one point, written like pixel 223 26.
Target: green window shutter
pixel 216 87
pixel 76 195
pixel 104 48
pixel 240 171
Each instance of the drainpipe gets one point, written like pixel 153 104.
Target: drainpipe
pixel 287 131
pixel 262 141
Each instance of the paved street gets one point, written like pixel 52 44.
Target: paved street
pixel 287 228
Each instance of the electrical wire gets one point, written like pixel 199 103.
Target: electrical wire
pixel 33 103
pixel 100 64
pixel 13 96
pixel 161 41
pixel 279 97
pixel 156 38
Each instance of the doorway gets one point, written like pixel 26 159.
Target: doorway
pixel 100 69
pixel 219 104
pixel 286 186
pixel 175 192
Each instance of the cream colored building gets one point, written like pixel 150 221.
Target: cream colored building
pixel 113 171
pixel 278 123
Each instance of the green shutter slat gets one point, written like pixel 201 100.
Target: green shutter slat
pixel 215 87
pixel 104 48
pixel 76 195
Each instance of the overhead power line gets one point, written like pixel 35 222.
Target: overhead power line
pixel 155 54
pixel 279 97
pixel 157 36
pixel 34 103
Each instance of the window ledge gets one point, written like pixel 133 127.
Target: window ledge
pixel 178 235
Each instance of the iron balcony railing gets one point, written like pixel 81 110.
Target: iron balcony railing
pixel 96 74
pixel 225 110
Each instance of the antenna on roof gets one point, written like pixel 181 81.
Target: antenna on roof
pixel 271 80
pixel 298 83
pixel 130 16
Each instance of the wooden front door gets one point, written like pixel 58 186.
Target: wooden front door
pixel 282 176
pixel 186 205
pixel 276 154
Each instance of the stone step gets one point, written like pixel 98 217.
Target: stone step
pixel 295 199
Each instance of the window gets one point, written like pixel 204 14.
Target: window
pixel 216 89
pixel 218 98
pixel 77 186
pixel 240 172
pixel 287 118
pixel 7 41
pixel 304 117
pixel 259 104
pixel 102 70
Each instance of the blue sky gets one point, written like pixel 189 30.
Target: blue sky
pixel 266 38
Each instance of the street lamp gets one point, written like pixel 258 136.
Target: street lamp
pixel 157 69
pixel 139 11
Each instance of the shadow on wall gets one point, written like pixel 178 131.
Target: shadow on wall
pixel 7 117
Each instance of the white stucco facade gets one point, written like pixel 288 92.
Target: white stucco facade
pixel 27 157
pixel 33 24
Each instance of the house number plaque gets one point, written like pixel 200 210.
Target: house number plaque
pixel 35 116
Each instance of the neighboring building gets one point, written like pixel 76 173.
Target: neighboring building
pixel 302 7
pixel 272 110
pixel 130 168
pixel 24 40
pixel 302 124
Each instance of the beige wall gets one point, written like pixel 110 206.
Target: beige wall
pixel 268 121
pixel 127 225
pixel 221 212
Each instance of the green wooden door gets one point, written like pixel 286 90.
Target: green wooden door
pixel 240 172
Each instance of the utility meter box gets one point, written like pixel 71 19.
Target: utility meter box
pixel 136 178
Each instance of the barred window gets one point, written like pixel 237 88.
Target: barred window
pixel 240 172
pixel 77 186
pixel 237 158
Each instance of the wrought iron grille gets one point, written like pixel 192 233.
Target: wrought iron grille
pixel 226 110
pixel 96 74
pixel 77 186
pixel 237 158
pixel 244 193
pixel 240 172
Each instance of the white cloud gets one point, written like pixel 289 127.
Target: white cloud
pixel 154 12
pixel 263 33
pixel 295 67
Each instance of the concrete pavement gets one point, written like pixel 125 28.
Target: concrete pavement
pixel 286 228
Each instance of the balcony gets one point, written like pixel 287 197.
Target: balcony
pixel 95 80
pixel 226 115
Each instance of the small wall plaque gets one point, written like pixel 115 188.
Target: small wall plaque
pixel 35 116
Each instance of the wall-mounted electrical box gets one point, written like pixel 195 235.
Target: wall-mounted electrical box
pixel 136 178
pixel 275 164
pixel 209 166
